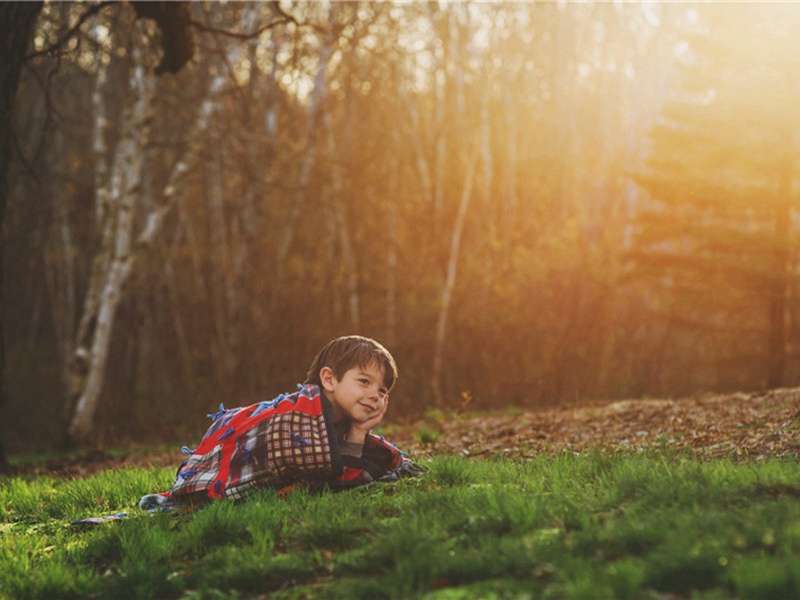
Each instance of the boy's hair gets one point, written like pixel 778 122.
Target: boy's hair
pixel 347 352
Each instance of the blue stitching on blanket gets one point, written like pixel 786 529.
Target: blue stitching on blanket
pixel 298 440
pixel 218 414
pixel 247 454
pixel 186 474
pixel 269 404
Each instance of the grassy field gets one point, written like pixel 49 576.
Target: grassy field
pixel 585 526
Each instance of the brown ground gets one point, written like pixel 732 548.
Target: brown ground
pixel 752 426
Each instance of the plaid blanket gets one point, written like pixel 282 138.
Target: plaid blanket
pixel 284 443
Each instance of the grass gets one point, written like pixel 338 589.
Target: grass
pixel 586 526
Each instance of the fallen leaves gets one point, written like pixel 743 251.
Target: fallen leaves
pixel 753 426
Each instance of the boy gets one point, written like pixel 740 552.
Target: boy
pixel 319 435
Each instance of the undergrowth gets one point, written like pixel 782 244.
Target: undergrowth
pixel 585 526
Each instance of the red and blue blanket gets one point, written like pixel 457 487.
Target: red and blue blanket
pixel 288 442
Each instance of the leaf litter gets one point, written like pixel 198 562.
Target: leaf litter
pixel 753 426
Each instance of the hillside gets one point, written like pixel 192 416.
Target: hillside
pixel 745 425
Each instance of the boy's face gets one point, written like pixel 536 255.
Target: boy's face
pixel 359 395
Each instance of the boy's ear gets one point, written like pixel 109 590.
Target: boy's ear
pixel 327 378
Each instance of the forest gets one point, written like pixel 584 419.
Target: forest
pixel 528 203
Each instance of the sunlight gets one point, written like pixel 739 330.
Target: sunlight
pixel 534 201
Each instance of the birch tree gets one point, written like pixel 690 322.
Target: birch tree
pixel 450 281
pixel 454 179
pixel 118 195
pixel 469 162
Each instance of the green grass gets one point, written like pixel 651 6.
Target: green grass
pixel 586 526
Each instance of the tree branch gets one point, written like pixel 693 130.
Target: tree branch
pixel 284 19
pixel 65 38
pixel 239 36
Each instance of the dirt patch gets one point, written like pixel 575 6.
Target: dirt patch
pixel 751 426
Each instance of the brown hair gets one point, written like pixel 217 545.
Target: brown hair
pixel 347 352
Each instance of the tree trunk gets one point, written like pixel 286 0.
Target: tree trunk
pixel 391 260
pixel 779 289
pixel 450 282
pixel 318 97
pixel 60 268
pixel 17 20
pixel 348 267
pixel 77 366
pixel 223 272
pixel 116 261
pixel 452 69
pixel 117 255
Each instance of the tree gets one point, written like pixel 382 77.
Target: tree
pixel 120 201
pixel 17 26
pixel 17 20
pixel 448 178
pixel 717 233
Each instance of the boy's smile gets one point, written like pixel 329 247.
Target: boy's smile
pixel 359 395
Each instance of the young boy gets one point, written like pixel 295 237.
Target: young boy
pixel 319 435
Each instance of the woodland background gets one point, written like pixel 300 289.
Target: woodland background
pixel 527 203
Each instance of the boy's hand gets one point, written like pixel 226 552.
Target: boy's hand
pixel 358 431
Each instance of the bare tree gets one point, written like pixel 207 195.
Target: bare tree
pixel 17 21
pixel 450 279
pixel 469 159
pixel 121 247
pixel 118 193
